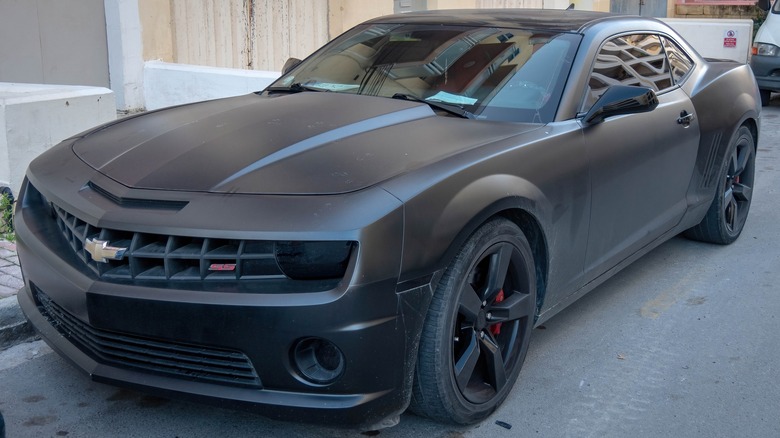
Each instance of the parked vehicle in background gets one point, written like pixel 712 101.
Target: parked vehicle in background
pixel 765 59
pixel 384 225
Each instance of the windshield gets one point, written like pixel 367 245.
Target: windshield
pixel 487 73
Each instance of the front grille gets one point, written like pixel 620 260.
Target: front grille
pixel 155 257
pixel 158 257
pixel 192 362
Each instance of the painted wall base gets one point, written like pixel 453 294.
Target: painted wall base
pixel 35 117
pixel 167 84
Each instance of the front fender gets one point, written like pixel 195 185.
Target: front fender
pixel 540 179
pixel 438 224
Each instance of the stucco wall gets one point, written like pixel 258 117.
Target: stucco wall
pixel 53 42
pixel 717 11
pixel 261 35
pixel 345 14
pixel 249 34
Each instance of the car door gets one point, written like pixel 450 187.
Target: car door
pixel 641 164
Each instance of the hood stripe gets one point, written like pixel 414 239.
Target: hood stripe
pixel 385 120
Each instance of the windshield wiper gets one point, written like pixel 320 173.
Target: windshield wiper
pixel 450 108
pixel 297 88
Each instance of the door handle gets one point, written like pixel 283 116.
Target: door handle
pixel 685 118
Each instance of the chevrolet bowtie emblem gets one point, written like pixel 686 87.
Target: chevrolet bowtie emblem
pixel 101 252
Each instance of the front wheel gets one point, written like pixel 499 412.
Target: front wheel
pixel 729 210
pixel 475 337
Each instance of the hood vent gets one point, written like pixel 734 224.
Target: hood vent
pixel 156 204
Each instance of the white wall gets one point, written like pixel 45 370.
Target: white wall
pixel 34 118
pixel 167 84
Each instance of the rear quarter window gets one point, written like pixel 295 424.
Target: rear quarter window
pixel 679 61
pixel 636 59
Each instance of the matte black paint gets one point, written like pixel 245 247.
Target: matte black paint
pixel 407 184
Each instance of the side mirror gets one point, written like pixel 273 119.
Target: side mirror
pixel 290 64
pixel 619 100
pixel 764 5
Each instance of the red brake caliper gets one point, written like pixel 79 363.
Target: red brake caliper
pixel 496 328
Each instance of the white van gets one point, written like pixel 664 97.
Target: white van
pixel 766 54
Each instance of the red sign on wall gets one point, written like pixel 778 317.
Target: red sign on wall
pixel 730 39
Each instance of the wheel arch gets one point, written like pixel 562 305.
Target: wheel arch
pixel 719 81
pixel 750 112
pixel 517 211
pixel 442 398
pixel 536 238
pixel 752 125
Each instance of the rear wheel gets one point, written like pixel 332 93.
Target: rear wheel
pixel 475 337
pixel 729 210
pixel 766 96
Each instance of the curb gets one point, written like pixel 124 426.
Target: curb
pixel 14 327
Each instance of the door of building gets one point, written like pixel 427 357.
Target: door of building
pixel 645 8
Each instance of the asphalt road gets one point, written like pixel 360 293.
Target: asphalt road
pixel 682 343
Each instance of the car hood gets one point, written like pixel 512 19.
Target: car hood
pixel 302 143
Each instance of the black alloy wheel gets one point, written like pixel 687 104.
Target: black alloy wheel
pixel 729 210
pixel 738 185
pixel 476 335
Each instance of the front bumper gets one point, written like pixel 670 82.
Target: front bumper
pixel 375 365
pixel 767 71
pixel 372 387
pixel 94 323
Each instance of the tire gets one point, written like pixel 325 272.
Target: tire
pixel 766 96
pixel 476 333
pixel 728 212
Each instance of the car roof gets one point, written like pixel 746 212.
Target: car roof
pixel 553 19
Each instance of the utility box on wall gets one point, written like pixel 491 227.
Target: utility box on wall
pixel 716 37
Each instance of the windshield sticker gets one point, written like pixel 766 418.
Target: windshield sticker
pixel 334 87
pixel 455 99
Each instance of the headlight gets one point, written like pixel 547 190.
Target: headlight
pixel 313 260
pixel 765 49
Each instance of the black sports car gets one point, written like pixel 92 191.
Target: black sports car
pixel 384 225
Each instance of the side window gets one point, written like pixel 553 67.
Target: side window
pixel 679 61
pixel 629 60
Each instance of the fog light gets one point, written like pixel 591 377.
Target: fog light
pixel 318 360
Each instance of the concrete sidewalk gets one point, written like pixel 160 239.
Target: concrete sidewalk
pixel 14 327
